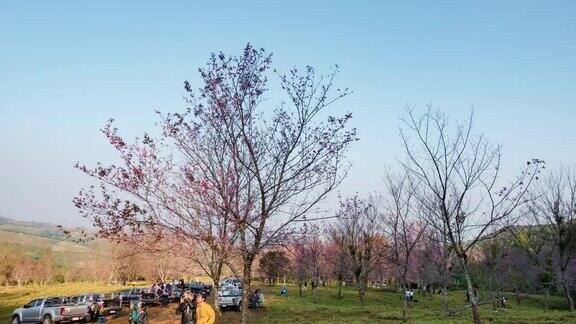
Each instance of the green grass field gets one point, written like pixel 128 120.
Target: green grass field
pixel 381 307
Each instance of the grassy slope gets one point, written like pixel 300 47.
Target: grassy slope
pixel 381 307
pixel 28 227
pixel 33 241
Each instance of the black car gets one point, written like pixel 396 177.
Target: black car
pixel 199 288
pixel 149 298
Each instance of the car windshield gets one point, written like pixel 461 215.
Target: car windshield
pixel 32 303
pixel 229 292
pixel 53 301
pixel 94 296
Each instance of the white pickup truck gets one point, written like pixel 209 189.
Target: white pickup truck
pixel 49 310
pixel 229 296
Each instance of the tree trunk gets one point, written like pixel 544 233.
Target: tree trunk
pixel 215 290
pixel 314 287
pixel 445 297
pixel 340 288
pixel 566 288
pixel 361 288
pixel 314 295
pixel 547 297
pixel 568 297
pixel 403 286
pixel 361 295
pixel 445 274
pixel 471 295
pixel 404 309
pixel 216 273
pixel 246 281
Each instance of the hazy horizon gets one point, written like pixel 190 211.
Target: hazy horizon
pixel 68 66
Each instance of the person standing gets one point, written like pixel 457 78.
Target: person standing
pixel 204 312
pixel 181 285
pixel 133 315
pixel 142 314
pixel 166 294
pixel 90 305
pixel 187 308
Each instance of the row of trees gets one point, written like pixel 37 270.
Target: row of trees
pixel 100 262
pixel 231 178
pixel 19 268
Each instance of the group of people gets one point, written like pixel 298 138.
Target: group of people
pixel 314 284
pixel 193 309
pixel 162 291
pixel 93 310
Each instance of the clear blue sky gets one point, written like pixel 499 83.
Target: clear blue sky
pixel 67 66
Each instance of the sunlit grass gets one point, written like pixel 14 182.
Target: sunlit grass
pixel 381 307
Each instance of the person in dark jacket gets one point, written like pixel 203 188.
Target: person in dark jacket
pixel 187 308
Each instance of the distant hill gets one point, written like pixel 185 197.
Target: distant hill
pixel 32 228
pixel 34 237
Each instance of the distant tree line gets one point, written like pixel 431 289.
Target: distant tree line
pixel 103 262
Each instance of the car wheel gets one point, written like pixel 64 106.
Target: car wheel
pixel 47 319
pixel 15 320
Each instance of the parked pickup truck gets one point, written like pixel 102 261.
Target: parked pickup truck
pixel 229 296
pixel 49 310
pixel 108 305
pixel 149 298
pixel 128 295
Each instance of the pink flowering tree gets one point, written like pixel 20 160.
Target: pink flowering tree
pixel 336 256
pixel 307 250
pixel 358 226
pixel 232 172
pixel 433 262
pixel 158 200
pixel 403 226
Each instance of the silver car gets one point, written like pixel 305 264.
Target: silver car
pixel 49 310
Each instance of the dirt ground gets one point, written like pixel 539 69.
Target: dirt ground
pixel 168 315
